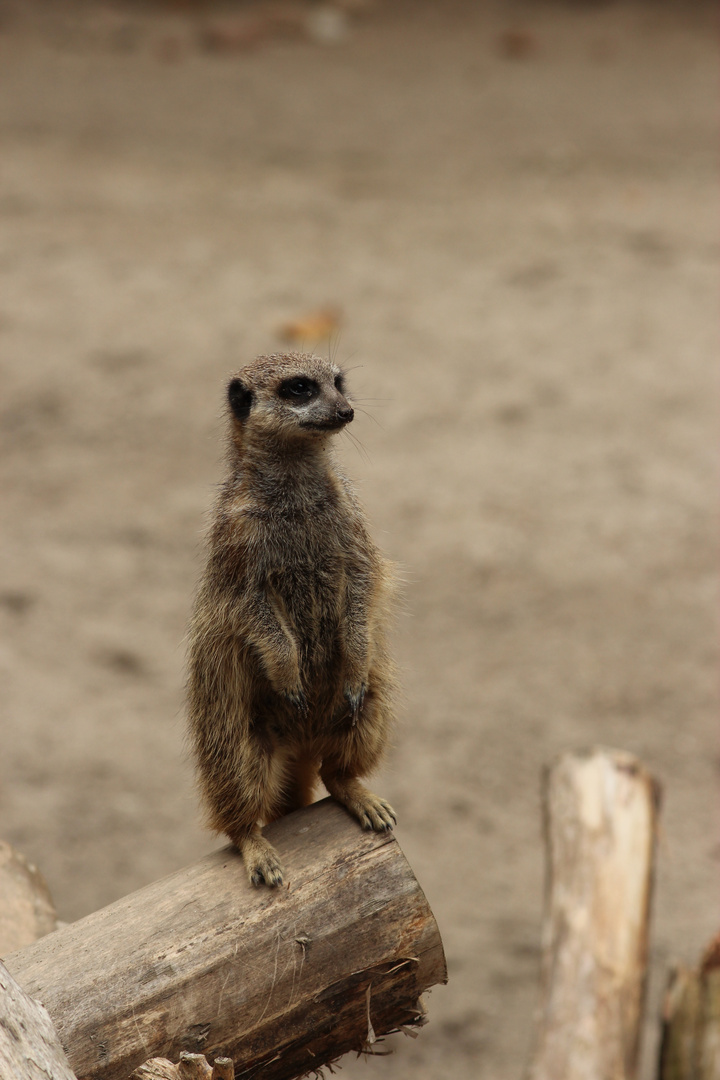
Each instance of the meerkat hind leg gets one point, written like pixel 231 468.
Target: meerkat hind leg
pixel 258 797
pixel 298 789
pixel 371 811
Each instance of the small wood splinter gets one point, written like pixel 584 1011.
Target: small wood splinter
pixel 189 1067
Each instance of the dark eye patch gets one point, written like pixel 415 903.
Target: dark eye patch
pixel 298 389
pixel 340 383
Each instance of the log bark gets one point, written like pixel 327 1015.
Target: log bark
pixel 600 827
pixel 690 1044
pixel 29 1046
pixel 281 981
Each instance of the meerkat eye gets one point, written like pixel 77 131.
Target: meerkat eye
pixel 299 389
pixel 340 383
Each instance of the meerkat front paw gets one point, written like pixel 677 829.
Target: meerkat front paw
pixel 355 697
pixel 297 698
pixel 262 862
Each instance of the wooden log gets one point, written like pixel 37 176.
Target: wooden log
pixel 600 827
pixel 29 1046
pixel 690 1043
pixel 26 908
pixel 282 981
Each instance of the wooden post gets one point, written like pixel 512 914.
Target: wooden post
pixel 281 981
pixel 600 825
pixel 29 1047
pixel 26 907
pixel 690 1045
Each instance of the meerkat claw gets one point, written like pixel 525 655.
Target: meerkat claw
pixel 273 878
pixel 267 874
pixel 385 816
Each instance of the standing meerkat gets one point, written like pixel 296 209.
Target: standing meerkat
pixel 290 680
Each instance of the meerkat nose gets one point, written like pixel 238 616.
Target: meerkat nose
pixel 345 412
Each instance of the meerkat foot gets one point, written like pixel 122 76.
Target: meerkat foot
pixel 371 811
pixel 374 813
pixel 261 862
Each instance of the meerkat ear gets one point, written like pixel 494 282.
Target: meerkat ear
pixel 240 399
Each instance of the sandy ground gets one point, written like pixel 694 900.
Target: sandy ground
pixel 526 252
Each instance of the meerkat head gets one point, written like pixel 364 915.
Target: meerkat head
pixel 289 398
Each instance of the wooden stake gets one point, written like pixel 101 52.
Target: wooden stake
pixel 26 907
pixel 282 981
pixel 600 826
pixel 193 1067
pixel 690 1045
pixel 223 1069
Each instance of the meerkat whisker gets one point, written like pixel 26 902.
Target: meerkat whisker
pixel 369 416
pixel 361 449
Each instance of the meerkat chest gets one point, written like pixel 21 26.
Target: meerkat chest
pixel 313 567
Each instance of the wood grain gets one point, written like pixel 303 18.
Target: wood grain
pixel 280 981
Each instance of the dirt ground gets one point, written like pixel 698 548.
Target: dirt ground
pixel 520 230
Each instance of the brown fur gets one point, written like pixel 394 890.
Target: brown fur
pixel 289 674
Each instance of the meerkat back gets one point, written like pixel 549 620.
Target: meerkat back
pixel 290 680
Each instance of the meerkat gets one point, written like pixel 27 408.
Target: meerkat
pixel 290 678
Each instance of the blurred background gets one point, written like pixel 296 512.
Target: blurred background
pixel 506 212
